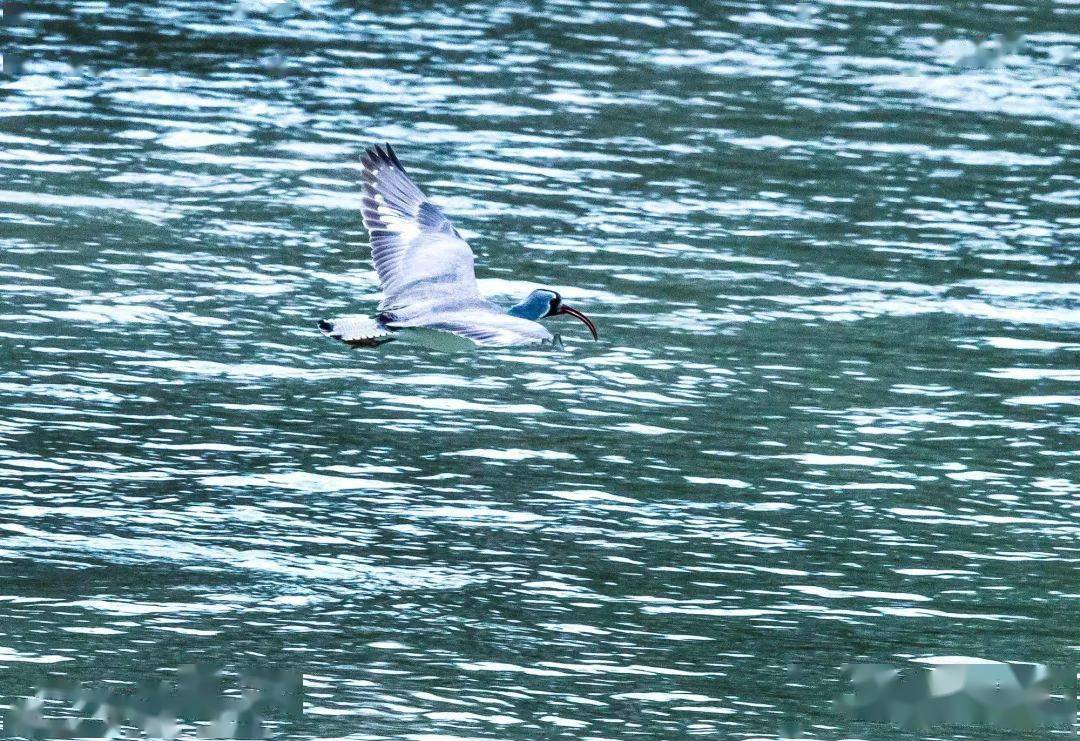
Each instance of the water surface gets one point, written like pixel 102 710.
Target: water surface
pixel 832 249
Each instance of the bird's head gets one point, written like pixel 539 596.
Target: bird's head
pixel 543 303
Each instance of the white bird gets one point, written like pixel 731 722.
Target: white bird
pixel 426 273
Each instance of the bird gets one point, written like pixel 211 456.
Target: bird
pixel 427 275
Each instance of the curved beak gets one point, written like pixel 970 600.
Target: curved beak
pixel 564 309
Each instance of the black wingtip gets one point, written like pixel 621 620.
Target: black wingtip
pixel 393 156
pixel 381 155
pixel 326 326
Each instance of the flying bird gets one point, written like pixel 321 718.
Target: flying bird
pixel 426 273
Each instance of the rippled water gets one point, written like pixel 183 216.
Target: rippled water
pixel 832 249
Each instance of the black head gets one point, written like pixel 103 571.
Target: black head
pixel 556 307
pixel 554 301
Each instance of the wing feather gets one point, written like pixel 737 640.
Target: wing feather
pixel 484 327
pixel 417 252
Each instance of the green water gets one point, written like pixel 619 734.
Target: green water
pixel 833 254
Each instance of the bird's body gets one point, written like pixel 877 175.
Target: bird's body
pixel 426 271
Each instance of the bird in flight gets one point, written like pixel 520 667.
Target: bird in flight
pixel 426 273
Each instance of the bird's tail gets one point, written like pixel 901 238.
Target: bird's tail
pixel 357 331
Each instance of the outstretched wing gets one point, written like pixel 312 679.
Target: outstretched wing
pixel 483 327
pixel 418 254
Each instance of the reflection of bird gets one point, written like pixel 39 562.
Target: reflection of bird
pixel 426 273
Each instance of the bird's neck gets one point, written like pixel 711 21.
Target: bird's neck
pixel 525 310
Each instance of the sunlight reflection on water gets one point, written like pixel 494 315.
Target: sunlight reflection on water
pixel 831 250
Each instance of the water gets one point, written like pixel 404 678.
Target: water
pixel 832 251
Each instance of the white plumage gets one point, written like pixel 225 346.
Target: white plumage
pixel 425 269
